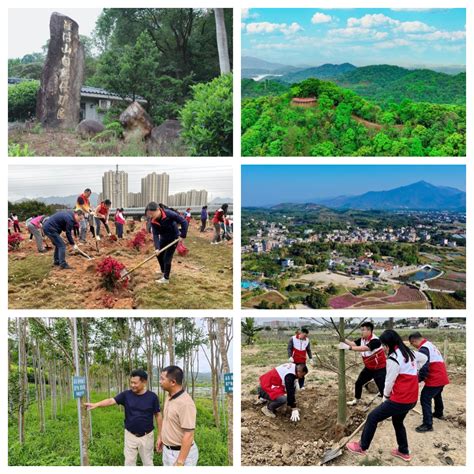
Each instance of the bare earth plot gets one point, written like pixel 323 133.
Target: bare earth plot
pixel 278 441
pixel 203 279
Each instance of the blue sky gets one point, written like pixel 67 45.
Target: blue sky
pixel 272 184
pixel 310 37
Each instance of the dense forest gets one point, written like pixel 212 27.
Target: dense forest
pixel 168 56
pixel 342 123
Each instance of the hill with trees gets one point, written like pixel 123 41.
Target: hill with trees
pixel 342 123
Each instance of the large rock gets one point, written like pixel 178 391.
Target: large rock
pixel 165 139
pixel 89 128
pixel 59 98
pixel 136 121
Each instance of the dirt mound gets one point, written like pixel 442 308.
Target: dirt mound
pixel 278 441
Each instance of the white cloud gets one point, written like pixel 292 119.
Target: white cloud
pixel 320 18
pixel 440 35
pixel 392 44
pixel 357 32
pixel 267 27
pixel 414 27
pixel 371 21
pixel 246 14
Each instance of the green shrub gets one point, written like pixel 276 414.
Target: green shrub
pixel 207 118
pixel 15 149
pixel 115 127
pixel 22 100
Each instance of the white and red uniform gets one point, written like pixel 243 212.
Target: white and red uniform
pixel 405 385
pixel 376 359
pixel 299 349
pixel 273 382
pixel 437 373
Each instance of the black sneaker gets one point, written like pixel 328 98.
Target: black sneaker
pixel 435 415
pixel 423 428
pixel 56 264
pixel 66 267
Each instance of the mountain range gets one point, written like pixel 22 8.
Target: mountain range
pixel 417 196
pixel 382 82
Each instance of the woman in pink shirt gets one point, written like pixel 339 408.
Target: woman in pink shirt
pixel 35 228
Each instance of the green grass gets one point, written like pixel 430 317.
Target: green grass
pixel 59 445
pixel 444 300
pixel 206 283
pixel 30 270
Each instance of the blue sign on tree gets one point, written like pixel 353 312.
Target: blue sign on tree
pixel 78 386
pixel 229 382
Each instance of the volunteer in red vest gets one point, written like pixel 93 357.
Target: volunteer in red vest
pixel 217 221
pixel 277 388
pixel 83 203
pixel 299 349
pixel 435 376
pixel 374 359
pixel 101 216
pixel 399 396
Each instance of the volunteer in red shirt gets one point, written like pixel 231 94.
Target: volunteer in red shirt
pixel 217 220
pixel 435 376
pixel 101 216
pixel 374 359
pixel 277 388
pixel 400 395
pixel 299 349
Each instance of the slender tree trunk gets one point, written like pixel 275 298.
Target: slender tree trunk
pixel 221 36
pixel 171 352
pixel 222 331
pixel 341 379
pixel 22 374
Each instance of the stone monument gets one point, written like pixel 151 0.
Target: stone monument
pixel 59 98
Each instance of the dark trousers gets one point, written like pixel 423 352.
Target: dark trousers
pixel 59 248
pixel 272 404
pixel 366 376
pixel 203 225
pixel 301 382
pixel 16 228
pixel 165 258
pixel 428 394
pixel 398 412
pixel 119 230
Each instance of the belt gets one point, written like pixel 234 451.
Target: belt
pixel 175 448
pixel 141 435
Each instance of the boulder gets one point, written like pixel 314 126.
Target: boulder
pixel 165 139
pixel 89 128
pixel 59 97
pixel 136 122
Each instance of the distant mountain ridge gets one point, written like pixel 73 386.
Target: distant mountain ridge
pixel 69 201
pixel 416 196
pixel 325 71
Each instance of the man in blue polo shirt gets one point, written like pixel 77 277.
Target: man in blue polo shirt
pixel 141 406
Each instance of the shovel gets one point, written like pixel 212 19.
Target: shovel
pixel 124 273
pixel 337 451
pixel 81 252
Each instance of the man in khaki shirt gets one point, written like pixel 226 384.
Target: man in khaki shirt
pixel 176 437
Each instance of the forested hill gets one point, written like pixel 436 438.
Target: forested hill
pixel 392 83
pixel 342 123
pixel 386 83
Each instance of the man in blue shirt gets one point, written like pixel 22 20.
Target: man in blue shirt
pixel 62 221
pixel 141 406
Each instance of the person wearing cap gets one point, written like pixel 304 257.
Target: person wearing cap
pixel 176 437
pixel 141 407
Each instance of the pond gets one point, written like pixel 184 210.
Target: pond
pixel 250 285
pixel 422 275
